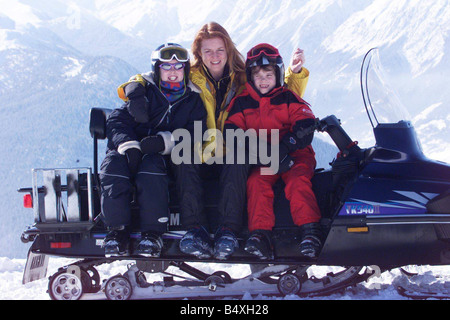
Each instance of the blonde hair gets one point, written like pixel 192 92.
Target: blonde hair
pixel 214 30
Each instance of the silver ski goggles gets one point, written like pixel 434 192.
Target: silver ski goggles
pixel 169 53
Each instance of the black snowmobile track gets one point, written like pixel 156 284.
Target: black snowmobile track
pixel 422 295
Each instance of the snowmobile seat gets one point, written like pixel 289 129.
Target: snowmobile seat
pixel 320 181
pixel 97 122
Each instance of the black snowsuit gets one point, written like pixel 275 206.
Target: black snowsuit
pixel 196 185
pixel 151 180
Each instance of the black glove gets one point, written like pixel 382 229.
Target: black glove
pixel 300 138
pixel 152 144
pixel 285 164
pixel 304 132
pixel 134 158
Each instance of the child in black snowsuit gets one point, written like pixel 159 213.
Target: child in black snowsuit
pixel 139 147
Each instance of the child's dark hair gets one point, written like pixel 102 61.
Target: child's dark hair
pixel 267 67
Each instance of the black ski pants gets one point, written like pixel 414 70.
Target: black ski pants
pixel 117 189
pixel 152 192
pixel 231 194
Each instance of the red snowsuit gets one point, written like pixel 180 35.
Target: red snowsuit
pixel 279 109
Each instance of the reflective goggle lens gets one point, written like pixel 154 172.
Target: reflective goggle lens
pixel 169 53
pixel 267 49
pixel 169 66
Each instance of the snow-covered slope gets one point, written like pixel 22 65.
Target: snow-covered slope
pixel 60 58
pixel 379 287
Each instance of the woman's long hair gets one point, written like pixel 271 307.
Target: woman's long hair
pixel 235 61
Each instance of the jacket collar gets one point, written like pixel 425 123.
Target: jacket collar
pixel 225 77
pixel 199 77
pixel 149 77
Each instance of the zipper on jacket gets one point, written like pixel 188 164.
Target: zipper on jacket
pixel 169 109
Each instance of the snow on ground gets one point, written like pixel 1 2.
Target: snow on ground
pixel 379 287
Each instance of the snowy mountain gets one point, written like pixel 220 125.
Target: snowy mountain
pixel 60 58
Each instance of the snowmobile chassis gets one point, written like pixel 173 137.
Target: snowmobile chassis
pixel 382 207
pixel 272 280
pixel 70 227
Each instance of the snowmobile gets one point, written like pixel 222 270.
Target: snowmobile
pixel 382 207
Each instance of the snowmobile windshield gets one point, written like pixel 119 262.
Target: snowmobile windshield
pixel 381 101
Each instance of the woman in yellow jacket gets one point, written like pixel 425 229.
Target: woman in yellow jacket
pixel 218 70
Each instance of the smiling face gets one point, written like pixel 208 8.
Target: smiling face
pixel 172 75
pixel 264 78
pixel 214 56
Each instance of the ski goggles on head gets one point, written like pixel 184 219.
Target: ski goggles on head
pixel 169 53
pixel 170 66
pixel 263 49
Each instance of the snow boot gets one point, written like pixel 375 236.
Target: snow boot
pixel 150 245
pixel 225 243
pixel 197 242
pixel 259 244
pixel 116 242
pixel 311 243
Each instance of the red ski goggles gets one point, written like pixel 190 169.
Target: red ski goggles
pixel 263 48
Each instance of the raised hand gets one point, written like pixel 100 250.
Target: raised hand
pixel 298 60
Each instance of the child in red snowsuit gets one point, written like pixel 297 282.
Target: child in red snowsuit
pixel 267 104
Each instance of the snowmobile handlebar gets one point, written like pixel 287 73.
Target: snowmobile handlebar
pixel 332 126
